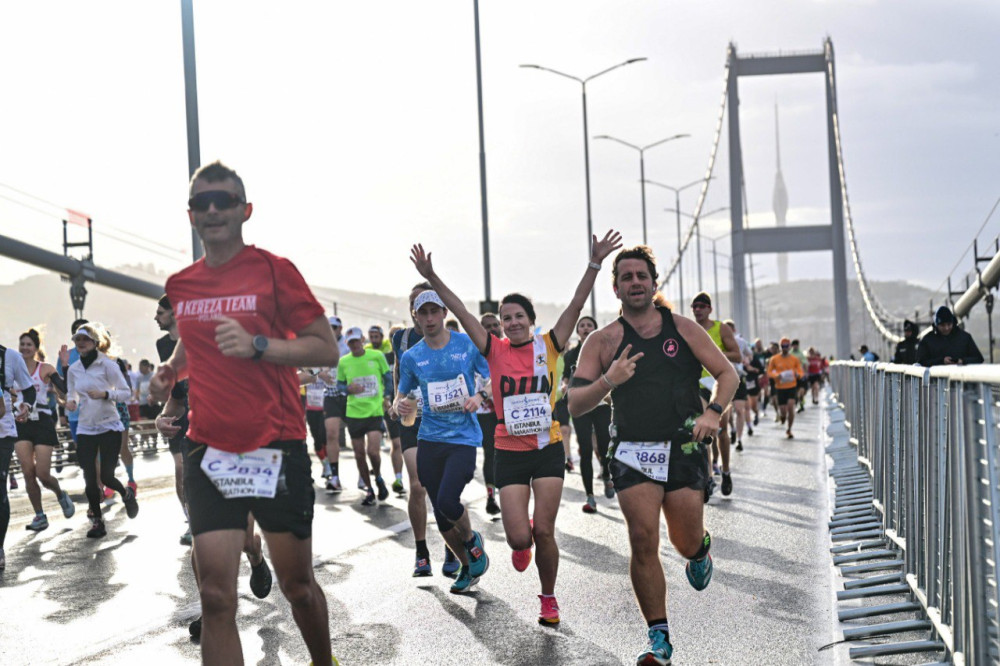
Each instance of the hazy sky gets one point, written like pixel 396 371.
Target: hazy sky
pixel 354 126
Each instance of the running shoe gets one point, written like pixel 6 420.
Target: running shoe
pixel 187 538
pixel 727 484
pixel 260 578
pixel 479 561
pixel 451 564
pixel 13 482
pixel 756 418
pixel 749 430
pixel 739 445
pixel 96 530
pixel 333 486
pixel 195 630
pixel 549 615
pixel 732 434
pixel 68 508
pixel 108 493
pixel 609 488
pixel 492 507
pixel 369 499
pixel 422 569
pixel 133 486
pixel 38 524
pixel 521 559
pixel 716 470
pixel 801 409
pixel 397 487
pixel 464 582
pixel 658 652
pixel 591 505
pixel 699 572
pixel 789 435
pixel 131 506
pixel 383 491
pixel 709 489
pixel 327 470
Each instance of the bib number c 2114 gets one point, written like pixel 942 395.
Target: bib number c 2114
pixel 528 414
pixel 652 459
pixel 253 474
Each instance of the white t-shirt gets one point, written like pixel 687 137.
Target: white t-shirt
pixel 17 378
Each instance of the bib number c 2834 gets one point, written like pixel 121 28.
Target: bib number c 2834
pixel 253 474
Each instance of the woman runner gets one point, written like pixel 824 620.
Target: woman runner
pixel 529 451
pixel 36 436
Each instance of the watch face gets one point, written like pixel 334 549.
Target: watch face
pixel 260 343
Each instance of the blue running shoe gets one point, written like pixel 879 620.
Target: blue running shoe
pixel 699 572
pixel 451 564
pixel 658 652
pixel 422 568
pixel 464 582
pixel 479 562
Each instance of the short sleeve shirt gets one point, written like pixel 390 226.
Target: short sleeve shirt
pixel 531 368
pixel 368 370
pixel 238 404
pixel 431 369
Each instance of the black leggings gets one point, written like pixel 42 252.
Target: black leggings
pixel 488 423
pixel 6 451
pixel 596 421
pixel 109 445
pixel 317 428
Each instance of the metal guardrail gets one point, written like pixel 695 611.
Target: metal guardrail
pixel 929 438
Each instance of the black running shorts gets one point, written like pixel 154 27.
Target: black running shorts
pixel 687 470
pixel 358 428
pixel 788 395
pixel 290 510
pixel 335 407
pixel 513 468
pixel 41 432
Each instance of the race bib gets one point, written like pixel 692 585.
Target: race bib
pixel 315 394
pixel 253 474
pixel 527 414
pixel 652 459
pixel 369 386
pixel 786 376
pixel 447 396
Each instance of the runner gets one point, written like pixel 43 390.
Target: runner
pixel 36 436
pixel 315 391
pixel 786 371
pixel 756 380
pixel 246 319
pixel 592 427
pixel 739 413
pixel 817 368
pixel 488 422
pixel 67 357
pixel 95 383
pixel 378 341
pixel 13 375
pixel 442 368
pixel 416 507
pixel 651 359
pixel 722 336
pixel 364 376
pixel 334 408
pixel 529 454
pixel 803 384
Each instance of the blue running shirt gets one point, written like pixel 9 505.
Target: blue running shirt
pixel 446 377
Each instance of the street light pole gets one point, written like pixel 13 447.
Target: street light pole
pixel 586 147
pixel 191 107
pixel 642 168
pixel 677 207
pixel 486 305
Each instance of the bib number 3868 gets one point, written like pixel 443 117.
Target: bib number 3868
pixel 652 459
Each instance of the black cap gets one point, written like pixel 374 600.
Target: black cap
pixel 909 326
pixel 943 316
pixel 702 297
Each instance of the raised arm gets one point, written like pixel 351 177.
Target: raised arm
pixel 475 330
pixel 599 250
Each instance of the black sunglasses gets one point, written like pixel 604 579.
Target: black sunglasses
pixel 222 200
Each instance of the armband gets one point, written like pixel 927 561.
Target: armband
pixel 577 382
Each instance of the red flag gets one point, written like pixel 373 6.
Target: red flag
pixel 76 217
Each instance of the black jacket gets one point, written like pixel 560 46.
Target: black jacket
pixel 959 345
pixel 906 351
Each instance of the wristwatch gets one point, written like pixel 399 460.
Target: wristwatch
pixel 482 394
pixel 259 346
pixel 717 408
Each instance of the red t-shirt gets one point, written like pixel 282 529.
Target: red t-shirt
pixel 238 404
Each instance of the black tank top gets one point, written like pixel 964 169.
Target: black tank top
pixel 653 405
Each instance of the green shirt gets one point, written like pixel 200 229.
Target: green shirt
pixel 367 370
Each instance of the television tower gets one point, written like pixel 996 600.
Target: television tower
pixel 780 201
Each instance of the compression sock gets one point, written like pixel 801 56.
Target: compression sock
pixel 422 549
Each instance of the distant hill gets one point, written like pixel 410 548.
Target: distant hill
pixel 800 309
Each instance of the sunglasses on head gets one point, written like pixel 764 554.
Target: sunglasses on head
pixel 222 200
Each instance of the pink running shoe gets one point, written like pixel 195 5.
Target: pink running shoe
pixel 549 614
pixel 108 493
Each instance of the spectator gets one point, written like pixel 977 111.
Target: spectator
pixel 906 349
pixel 947 344
pixel 867 355
pixel 148 408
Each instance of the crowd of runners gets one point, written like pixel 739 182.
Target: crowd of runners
pixel 659 397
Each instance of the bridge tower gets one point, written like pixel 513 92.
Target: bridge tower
pixel 807 238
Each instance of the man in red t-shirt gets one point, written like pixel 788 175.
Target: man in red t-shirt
pixel 246 320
